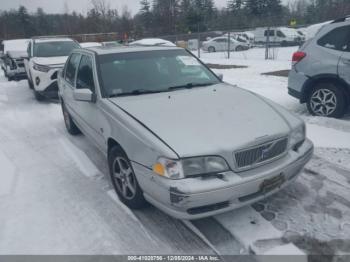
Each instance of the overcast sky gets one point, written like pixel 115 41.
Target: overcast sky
pixel 57 6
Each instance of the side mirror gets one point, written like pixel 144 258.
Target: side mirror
pixel 220 76
pixel 84 95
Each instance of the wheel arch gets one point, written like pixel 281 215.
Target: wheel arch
pixel 324 78
pixel 111 142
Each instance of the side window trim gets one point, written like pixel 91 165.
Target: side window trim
pixel 76 70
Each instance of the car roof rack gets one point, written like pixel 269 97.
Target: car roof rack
pixel 342 19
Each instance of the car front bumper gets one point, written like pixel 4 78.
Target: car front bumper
pixel 45 82
pixel 19 72
pixel 194 198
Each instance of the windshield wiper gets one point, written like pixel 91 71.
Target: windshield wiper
pixel 190 85
pixel 136 92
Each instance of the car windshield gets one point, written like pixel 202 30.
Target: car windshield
pixel 152 71
pixel 54 48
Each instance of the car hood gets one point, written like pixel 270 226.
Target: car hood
pixel 208 120
pixel 51 61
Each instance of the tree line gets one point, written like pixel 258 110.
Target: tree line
pixel 167 17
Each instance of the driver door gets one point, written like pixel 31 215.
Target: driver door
pixel 89 115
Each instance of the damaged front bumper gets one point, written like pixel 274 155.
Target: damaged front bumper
pixel 194 198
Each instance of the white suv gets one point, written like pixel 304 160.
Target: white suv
pixel 45 57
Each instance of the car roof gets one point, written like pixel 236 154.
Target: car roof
pixel 52 39
pixel 103 50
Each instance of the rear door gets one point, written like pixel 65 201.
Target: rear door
pixel 344 61
pixel 67 84
pixel 222 44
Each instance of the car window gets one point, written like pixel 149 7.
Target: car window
pixel 280 34
pixel 72 65
pixel 337 39
pixel 85 78
pixel 54 48
pixel 269 32
pixel 221 40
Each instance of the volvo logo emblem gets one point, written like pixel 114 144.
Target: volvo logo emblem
pixel 265 152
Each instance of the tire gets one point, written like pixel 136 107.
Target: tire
pixel 284 44
pixel 239 48
pixel 327 99
pixel 39 97
pixel 69 123
pixel 211 49
pixel 124 180
pixel 30 84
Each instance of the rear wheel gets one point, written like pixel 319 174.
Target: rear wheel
pixel 239 48
pixel 327 99
pixel 124 180
pixel 211 49
pixel 68 121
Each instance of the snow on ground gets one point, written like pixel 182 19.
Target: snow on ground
pixel 313 212
pixel 54 195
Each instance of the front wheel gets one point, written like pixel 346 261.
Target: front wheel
pixel 239 48
pixel 124 180
pixel 211 49
pixel 327 99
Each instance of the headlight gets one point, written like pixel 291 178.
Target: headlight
pixel 177 169
pixel 41 68
pixel 297 137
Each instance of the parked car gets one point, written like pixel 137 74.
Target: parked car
pixel 111 44
pixel 277 36
pixel 11 60
pixel 320 75
pixel 175 135
pixel 45 56
pixel 14 65
pixel 220 44
pixel 152 42
pixel 241 37
pixel 90 44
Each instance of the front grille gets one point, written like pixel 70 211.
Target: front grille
pixel 248 158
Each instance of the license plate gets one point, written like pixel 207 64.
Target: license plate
pixel 272 183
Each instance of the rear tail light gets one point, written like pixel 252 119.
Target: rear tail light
pixel 297 57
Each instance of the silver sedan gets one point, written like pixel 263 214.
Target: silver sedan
pixel 175 135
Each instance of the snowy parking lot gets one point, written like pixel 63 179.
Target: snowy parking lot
pixel 55 197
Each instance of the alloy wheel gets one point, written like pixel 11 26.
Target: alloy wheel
pixel 323 102
pixel 124 178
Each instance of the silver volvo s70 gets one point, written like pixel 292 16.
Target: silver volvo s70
pixel 175 134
